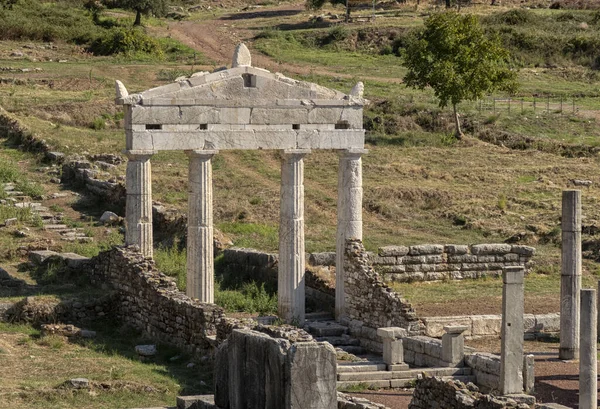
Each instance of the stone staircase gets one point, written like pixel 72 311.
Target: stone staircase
pixel 357 367
pixel 51 221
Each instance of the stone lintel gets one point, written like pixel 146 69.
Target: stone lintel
pixel 455 329
pixel 300 152
pixel 201 152
pixel 139 154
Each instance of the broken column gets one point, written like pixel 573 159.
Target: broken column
pixel 511 354
pixel 200 254
pixel 528 373
pixel 588 354
pixel 453 345
pixel 290 278
pixel 393 350
pixel 570 283
pixel 349 205
pixel 138 206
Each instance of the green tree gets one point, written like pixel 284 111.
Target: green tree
pixel 156 7
pixel 453 56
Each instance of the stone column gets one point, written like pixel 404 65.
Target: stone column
pixel 138 207
pixel 393 348
pixel 588 354
pixel 200 253
pixel 570 280
pixel 290 277
pixel 349 217
pixel 511 354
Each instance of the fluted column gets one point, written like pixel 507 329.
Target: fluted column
pixel 570 276
pixel 200 254
pixel 290 278
pixel 349 216
pixel 138 207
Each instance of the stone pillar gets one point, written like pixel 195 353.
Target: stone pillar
pixel 200 253
pixel 453 345
pixel 349 220
pixel 588 354
pixel 138 207
pixel 393 349
pixel 511 354
pixel 290 277
pixel 570 280
pixel 528 373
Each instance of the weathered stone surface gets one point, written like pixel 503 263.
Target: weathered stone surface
pixel 425 249
pixel 313 376
pixel 490 248
pixel 241 56
pixel 40 256
pixel 146 350
pixel 79 383
pixel 511 364
pixel 109 218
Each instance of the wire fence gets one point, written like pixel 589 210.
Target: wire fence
pixel 537 105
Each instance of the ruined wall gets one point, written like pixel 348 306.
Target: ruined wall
pixel 370 303
pixel 433 392
pixel 150 301
pixel 430 262
pixel 485 367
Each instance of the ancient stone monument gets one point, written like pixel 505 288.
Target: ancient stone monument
pixel 244 108
pixel 570 274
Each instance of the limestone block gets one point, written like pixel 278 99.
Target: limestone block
pixel 413 260
pixel 523 250
pixel 491 248
pixel 248 139
pixel 434 326
pixel 463 258
pixel 391 332
pixel 437 259
pixel 332 115
pixel 547 322
pixel 384 260
pixel 330 139
pixel 74 260
pixel 392 251
pixel 312 376
pixel 241 56
pixel 174 115
pixel 279 116
pixel 528 373
pixel 159 91
pixel 486 325
pixel 40 256
pixel 456 249
pixel 425 249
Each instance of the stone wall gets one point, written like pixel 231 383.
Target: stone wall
pixel 433 392
pixel 430 262
pixel 423 351
pixel 150 301
pixel 535 326
pixel 486 369
pixel 370 303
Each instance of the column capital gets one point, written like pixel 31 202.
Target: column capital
pixel 201 152
pixel 299 152
pixel 138 154
pixel 353 152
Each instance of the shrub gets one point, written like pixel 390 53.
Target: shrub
pixel 127 41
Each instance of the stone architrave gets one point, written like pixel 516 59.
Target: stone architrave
pixel 200 254
pixel 290 278
pixel 588 353
pixel 511 354
pixel 349 221
pixel 138 206
pixel 570 280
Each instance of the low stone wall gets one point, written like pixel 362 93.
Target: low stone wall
pixel 150 301
pixel 91 177
pixel 535 326
pixel 353 402
pixel 431 262
pixel 423 351
pixel 433 392
pixel 370 303
pixel 486 369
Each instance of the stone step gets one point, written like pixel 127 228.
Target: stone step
pixel 353 349
pixel 326 329
pixel 360 367
pixel 319 316
pixel 395 383
pixel 79 239
pixel 13 193
pixel 338 341
pixel 47 217
pixel 71 233
pixel 25 205
pixel 406 374
pixel 55 227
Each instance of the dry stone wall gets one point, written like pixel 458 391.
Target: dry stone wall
pixel 431 262
pixel 370 303
pixel 150 301
pixel 431 392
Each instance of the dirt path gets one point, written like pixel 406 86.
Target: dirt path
pixel 217 38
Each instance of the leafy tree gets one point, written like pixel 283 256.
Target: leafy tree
pixel 156 7
pixel 453 56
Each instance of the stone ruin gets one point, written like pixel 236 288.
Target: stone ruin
pixel 244 108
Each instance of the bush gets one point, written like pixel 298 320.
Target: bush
pixel 127 41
